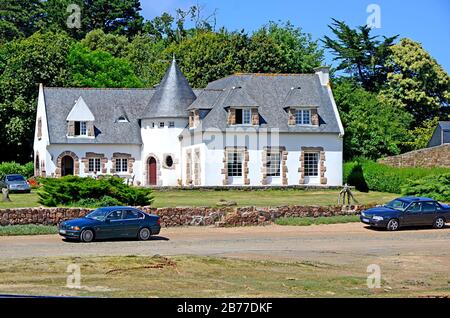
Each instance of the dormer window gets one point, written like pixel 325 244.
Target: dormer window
pixel 303 116
pixel 122 119
pixel 80 128
pixel 243 116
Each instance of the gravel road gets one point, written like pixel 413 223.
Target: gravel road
pixel 336 244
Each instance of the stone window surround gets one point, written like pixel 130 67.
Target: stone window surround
pixel 117 155
pixel 197 167
pixel 284 168
pixel 189 180
pixel 174 161
pixel 322 167
pixel 76 163
pixel 314 115
pixel 254 116
pixel 194 118
pixel 245 168
pixel 158 170
pixel 103 162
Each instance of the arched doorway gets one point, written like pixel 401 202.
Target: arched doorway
pixel 151 171
pixel 66 166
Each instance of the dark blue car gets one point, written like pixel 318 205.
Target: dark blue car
pixel 111 222
pixel 407 211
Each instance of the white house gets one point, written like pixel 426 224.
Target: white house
pixel 241 130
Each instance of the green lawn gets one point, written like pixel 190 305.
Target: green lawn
pixel 304 221
pixel 27 229
pixel 172 198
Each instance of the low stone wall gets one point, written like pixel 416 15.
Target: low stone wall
pixel 182 216
pixel 438 156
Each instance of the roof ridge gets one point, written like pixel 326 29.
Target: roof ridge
pixel 100 88
pixel 274 74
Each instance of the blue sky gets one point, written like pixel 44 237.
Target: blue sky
pixel 425 21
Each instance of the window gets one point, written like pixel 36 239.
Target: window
pixel 132 214
pixel 153 125
pixel 243 116
pixel 80 128
pixel 169 161
pixel 161 125
pixel 414 207
pixel 94 164
pixel 121 165
pixel 273 164
pixel 428 207
pixel 171 124
pixel 311 164
pixel 234 164
pixel 303 117
pixel 115 215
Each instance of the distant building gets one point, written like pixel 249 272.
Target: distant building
pixel 244 129
pixel 441 134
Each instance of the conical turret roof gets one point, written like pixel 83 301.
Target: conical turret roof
pixel 172 97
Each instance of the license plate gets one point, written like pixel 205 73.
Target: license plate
pixel 62 231
pixel 365 220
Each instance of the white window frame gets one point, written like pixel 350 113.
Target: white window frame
pixel 273 170
pixel 94 165
pixel 235 163
pixel 121 165
pixel 301 118
pixel 309 159
pixel 171 124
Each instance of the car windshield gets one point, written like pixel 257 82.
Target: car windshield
pixel 15 178
pixel 98 214
pixel 397 205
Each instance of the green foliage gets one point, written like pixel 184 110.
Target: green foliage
pixel 361 55
pixel 27 229
pixel 17 18
pixel 372 129
pixel 419 136
pixel 100 69
pixel 94 203
pixel 71 189
pixel 416 82
pixel 435 186
pixel 27 170
pixel 305 221
pixel 380 177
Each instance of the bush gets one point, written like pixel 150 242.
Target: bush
pixel 369 175
pixel 27 170
pixel 70 190
pixel 433 186
pixel 94 203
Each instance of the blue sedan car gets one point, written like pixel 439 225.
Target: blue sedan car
pixel 111 222
pixel 407 211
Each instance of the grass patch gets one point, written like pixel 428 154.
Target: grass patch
pixel 305 221
pixel 27 229
pixel 193 276
pixel 276 197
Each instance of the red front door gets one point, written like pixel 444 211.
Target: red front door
pixel 152 171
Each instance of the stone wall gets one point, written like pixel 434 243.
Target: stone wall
pixel 182 216
pixel 438 156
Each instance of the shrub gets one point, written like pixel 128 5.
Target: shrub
pixel 433 186
pixel 71 189
pixel 94 203
pixel 27 170
pixel 369 175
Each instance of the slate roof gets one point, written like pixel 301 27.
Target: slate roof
pixel 445 125
pixel 107 105
pixel 172 96
pixel 272 94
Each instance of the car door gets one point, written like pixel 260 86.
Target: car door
pixel 113 225
pixel 132 221
pixel 413 214
pixel 428 213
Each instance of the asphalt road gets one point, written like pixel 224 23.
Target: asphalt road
pixel 337 244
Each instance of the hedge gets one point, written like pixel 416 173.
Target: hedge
pixel 369 175
pixel 71 190
pixel 27 170
pixel 432 186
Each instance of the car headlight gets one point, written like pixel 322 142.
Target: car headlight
pixel 363 214
pixel 75 228
pixel 378 218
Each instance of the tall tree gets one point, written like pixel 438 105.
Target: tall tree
pixel 417 82
pixel 361 55
pixel 18 18
pixel 24 63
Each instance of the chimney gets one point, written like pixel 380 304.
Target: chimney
pixel 324 74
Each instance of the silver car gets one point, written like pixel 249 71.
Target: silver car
pixel 15 183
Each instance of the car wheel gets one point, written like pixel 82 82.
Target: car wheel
pixel 392 225
pixel 144 234
pixel 439 223
pixel 87 236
